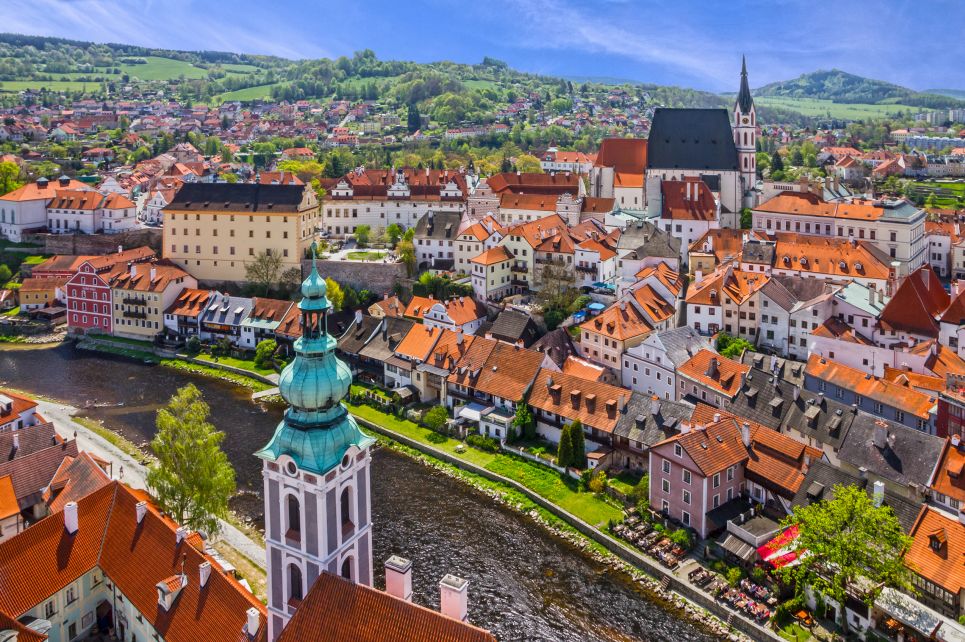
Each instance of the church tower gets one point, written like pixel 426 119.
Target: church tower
pixel 316 471
pixel 745 137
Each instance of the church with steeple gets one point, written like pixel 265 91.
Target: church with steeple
pixel 745 137
pixel 316 471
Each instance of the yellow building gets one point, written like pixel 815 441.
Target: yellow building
pixel 213 230
pixel 36 293
pixel 141 293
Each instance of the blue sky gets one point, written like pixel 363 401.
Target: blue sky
pixel 689 43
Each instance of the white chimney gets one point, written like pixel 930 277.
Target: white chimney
pixel 956 440
pixel 880 435
pixel 16 440
pixel 358 316
pixel 153 273
pixel 133 270
pixel 398 578
pixel 716 417
pixel 180 534
pixel 797 393
pixel 254 621
pixel 879 493
pixel 70 517
pixel 746 434
pixel 141 510
pixel 204 571
pixel 454 597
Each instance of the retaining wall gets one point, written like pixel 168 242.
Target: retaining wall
pixel 628 555
pixel 97 244
pixel 369 275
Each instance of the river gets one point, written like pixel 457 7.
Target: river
pixel 525 584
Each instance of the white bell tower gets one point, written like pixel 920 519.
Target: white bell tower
pixel 745 138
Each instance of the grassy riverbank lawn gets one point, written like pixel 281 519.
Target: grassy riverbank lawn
pixel 543 481
pixel 243 364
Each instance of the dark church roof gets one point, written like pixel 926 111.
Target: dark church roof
pixel 238 197
pixel 744 100
pixel 695 139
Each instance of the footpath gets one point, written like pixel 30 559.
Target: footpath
pixel 134 472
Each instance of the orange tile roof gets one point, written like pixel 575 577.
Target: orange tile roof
pixel 832 256
pixel 534 232
pixel 465 309
pixel 949 477
pixel 919 300
pixel 735 283
pixel 725 376
pixel 595 404
pixel 391 306
pixel 76 199
pixel 43 284
pixel 623 154
pixel 923 383
pixel 534 183
pixel 492 256
pixel 335 610
pixel 33 192
pixel 45 558
pixel 655 306
pixel 269 309
pixel 620 321
pixel 892 394
pixel 663 273
pixel 509 371
pixel 77 477
pixel 8 498
pixel 941 359
pixel 688 200
pixel 479 229
pixel 943 567
pixel 19 406
pixel 418 306
pixel 165 275
pixel 419 342
pixel 627 179
pixel 535 202
pixel 115 201
pixel 835 328
pixel 606 253
pixel 449 350
pixel 472 361
pixel 810 204
pixel 190 303
pixel 714 447
pixel 582 369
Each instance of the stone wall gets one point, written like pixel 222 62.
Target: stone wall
pixel 372 276
pixel 97 244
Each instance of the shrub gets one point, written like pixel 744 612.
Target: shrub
pixel 734 575
pixel 487 444
pixel 578 445
pixel 598 482
pixel 193 346
pixel 681 537
pixel 435 418
pixel 264 352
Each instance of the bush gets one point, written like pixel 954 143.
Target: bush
pixel 487 444
pixel 435 418
pixel 734 575
pixel 264 352
pixel 681 537
pixel 193 346
pixel 221 348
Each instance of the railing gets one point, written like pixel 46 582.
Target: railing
pixel 519 268
pixel 134 314
pixel 132 301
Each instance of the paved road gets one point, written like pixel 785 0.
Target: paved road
pixel 134 473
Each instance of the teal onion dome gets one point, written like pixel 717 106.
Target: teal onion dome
pixel 317 430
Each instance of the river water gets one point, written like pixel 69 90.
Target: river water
pixel 525 584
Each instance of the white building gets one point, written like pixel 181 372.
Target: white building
pixel 651 366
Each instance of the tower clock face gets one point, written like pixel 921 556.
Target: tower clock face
pixel 745 120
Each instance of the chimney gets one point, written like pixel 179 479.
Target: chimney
pixel 797 392
pixel 204 572
pixel 153 273
pixel 180 533
pixel 712 367
pixel 70 517
pixel 716 417
pixel 120 248
pixel 140 510
pixel 871 295
pixel 746 434
pixel 133 270
pixel 398 578
pixel 611 408
pixel 16 441
pixel 956 440
pixel 863 472
pixel 254 621
pixel 880 436
pixel 575 398
pixel 655 406
pixel 454 597
pixel 358 316
pixel 459 337
pixel 879 493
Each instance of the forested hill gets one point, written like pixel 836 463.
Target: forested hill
pixel 842 87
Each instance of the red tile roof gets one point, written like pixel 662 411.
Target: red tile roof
pixel 77 477
pixel 920 299
pixel 944 566
pixel 509 371
pixel 626 155
pixel 688 200
pixel 336 610
pixel 715 371
pixel 19 406
pixel 886 392
pixel 714 447
pixel 595 404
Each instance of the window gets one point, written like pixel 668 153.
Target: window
pixel 346 510
pixel 685 517
pixel 900 416
pixel 49 611
pixel 716 500
pixel 686 497
pixel 347 568
pixel 677 450
pixel 730 474
pixel 294 515
pixel 71 595
pixel 294 583
pixel 717 480
pixel 666 466
pixel 665 485
pixel 686 476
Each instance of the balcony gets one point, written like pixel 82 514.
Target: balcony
pixel 521 268
pixel 133 301
pixel 134 314
pixel 589 269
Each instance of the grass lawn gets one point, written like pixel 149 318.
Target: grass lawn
pixel 34 259
pixel 248 93
pixel 239 68
pixel 847 111
pixel 364 255
pixel 197 368
pixel 163 69
pixel 14 86
pixel 147 345
pixel 244 364
pixel 541 480
pixel 12 312
pixel 795 632
pixel 625 482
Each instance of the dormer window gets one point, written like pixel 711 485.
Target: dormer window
pixel 937 540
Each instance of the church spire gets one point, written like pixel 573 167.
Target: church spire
pixel 744 99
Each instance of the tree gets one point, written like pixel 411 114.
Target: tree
pixel 193 346
pixel 264 353
pixel 523 421
pixel 528 163
pixel 747 218
pixel 578 442
pixel 192 478
pixel 289 280
pixel 413 119
pixel 5 274
pixel 732 347
pixel 435 418
pixel 564 452
pixel 263 271
pixel 334 293
pixel 9 172
pixel 406 251
pixel 362 233
pixel 849 541
pixel 393 233
pixel 777 164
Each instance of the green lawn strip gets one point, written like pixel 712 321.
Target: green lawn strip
pixel 12 338
pixel 795 632
pixel 224 375
pixel 541 480
pixel 243 364
pixel 139 343
pixel 12 312
pixel 34 259
pixel 121 351
pixel 365 256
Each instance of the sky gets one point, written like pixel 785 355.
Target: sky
pixel 689 43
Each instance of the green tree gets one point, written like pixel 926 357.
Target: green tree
pixel 730 346
pixel 777 164
pixel 435 418
pixel 413 119
pixel 393 233
pixel 578 444
pixel 564 452
pixel 9 173
pixel 335 293
pixel 406 251
pixel 528 163
pixel 5 274
pixel 523 421
pixel 192 479
pixel 362 234
pixel 747 218
pixel 849 541
pixel 263 271
pixel 265 352
pixel 193 346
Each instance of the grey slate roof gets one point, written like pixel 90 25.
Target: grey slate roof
pixel 226 310
pixel 910 456
pixel 822 477
pixel 680 343
pixel 640 423
pixel 758 252
pixel 357 335
pixel 383 344
pixel 237 197
pixel 789 370
pixel 511 326
pixel 441 226
pixel 557 345
pixel 819 418
pixel 744 100
pixel 643 239
pixel 764 398
pixel 691 139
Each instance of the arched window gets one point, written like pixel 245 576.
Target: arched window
pixel 346 510
pixel 745 139
pixel 294 583
pixel 347 568
pixel 745 162
pixel 294 516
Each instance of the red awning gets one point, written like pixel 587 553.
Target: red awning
pixel 782 550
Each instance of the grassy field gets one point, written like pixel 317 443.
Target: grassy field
pixel 946 194
pixel 249 93
pixel 818 108
pixel 365 256
pixel 542 480
pixel 13 86
pixel 163 69
pixel 243 364
pixel 240 69
pixel 480 84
